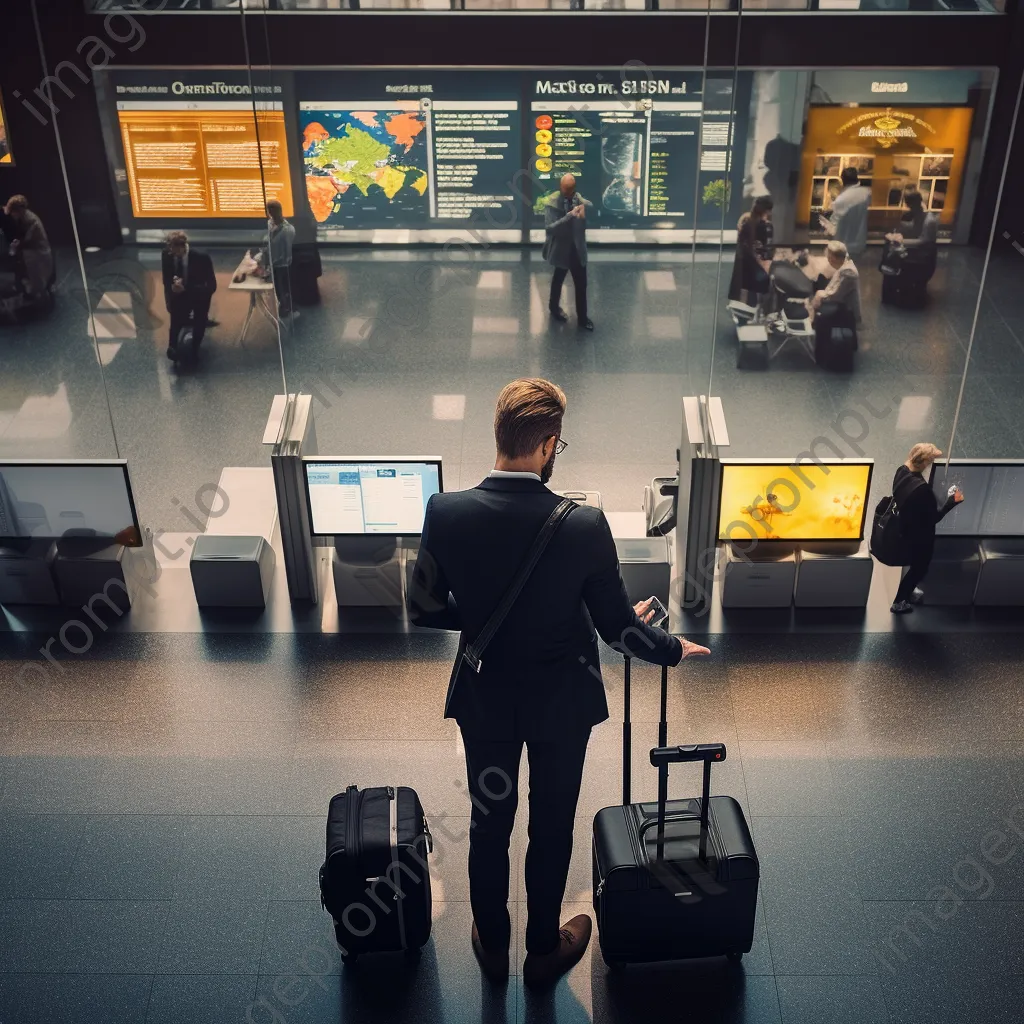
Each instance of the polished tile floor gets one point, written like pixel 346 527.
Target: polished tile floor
pixel 407 351
pixel 163 802
pixel 162 796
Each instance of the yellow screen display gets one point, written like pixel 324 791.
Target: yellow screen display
pixel 205 163
pixel 5 144
pixel 780 501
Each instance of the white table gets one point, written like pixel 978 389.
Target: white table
pixel 259 290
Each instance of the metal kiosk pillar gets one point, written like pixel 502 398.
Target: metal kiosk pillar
pixel 291 434
pixel 704 433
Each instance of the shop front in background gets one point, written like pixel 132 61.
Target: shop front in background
pixel 868 123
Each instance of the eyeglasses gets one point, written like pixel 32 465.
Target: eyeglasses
pixel 560 446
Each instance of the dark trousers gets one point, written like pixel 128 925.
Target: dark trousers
pixel 915 573
pixel 189 304
pixel 556 771
pixel 579 280
pixel 283 289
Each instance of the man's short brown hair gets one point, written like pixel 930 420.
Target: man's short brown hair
pixel 529 410
pixel 174 237
pixel 18 202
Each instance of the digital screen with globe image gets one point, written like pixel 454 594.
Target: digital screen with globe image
pixel 367 167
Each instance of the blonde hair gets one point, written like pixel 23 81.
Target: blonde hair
pixel 836 248
pixel 921 455
pixel 529 411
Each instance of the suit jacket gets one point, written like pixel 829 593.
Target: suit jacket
pixel 541 674
pixel 564 232
pixel 200 280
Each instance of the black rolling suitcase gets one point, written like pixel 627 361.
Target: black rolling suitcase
pixel 834 348
pixel 678 878
pixel 375 882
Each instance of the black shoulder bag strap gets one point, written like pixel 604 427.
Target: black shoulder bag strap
pixel 472 654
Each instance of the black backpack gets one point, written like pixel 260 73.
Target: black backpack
pixel 887 542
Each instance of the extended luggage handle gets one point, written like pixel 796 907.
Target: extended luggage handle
pixel 661 757
pixel 627 728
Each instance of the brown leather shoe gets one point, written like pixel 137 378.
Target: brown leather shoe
pixel 572 944
pixel 494 965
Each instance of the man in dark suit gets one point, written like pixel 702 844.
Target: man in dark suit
pixel 540 681
pixel 565 248
pixel 189 284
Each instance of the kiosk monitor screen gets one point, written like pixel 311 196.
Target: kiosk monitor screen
pixel 993 504
pixel 774 500
pixel 359 496
pixel 52 500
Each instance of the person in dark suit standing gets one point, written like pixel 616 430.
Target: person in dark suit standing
pixel 919 514
pixel 540 682
pixel 565 248
pixel 189 284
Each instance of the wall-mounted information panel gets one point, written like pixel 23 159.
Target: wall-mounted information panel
pixel 439 155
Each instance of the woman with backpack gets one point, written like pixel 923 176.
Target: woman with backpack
pixel 919 513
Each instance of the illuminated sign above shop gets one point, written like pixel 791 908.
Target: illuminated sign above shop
pixel 889 87
pixel 884 128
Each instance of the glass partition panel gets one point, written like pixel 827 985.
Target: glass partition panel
pixel 57 337
pixel 188 364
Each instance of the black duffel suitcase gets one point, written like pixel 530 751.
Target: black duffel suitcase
pixel 678 878
pixel 375 882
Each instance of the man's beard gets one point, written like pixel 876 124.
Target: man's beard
pixel 549 468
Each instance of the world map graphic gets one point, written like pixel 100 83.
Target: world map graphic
pixel 355 156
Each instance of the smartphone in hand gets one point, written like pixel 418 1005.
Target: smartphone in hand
pixel 658 613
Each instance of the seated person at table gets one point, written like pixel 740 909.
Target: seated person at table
pixel 843 288
pixel 189 284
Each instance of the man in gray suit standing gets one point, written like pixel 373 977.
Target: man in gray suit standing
pixel 565 248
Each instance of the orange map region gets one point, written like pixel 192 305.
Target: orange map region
pixel 367 117
pixel 313 133
pixel 321 192
pixel 405 127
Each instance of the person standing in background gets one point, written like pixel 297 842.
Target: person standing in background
pixel 565 248
pixel 189 284
pixel 751 264
pixel 30 247
pixel 277 256
pixel 849 218
pixel 919 514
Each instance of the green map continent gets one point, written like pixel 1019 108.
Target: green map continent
pixel 358 149
pixel 359 159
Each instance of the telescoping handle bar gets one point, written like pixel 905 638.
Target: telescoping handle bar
pixel 661 757
pixel 687 752
pixel 627 728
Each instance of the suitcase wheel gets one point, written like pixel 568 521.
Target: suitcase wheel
pixel 414 954
pixel 734 958
pixel 348 959
pixel 616 966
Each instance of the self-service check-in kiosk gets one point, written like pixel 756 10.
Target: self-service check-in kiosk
pixel 366 507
